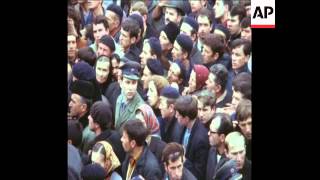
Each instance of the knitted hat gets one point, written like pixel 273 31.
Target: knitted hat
pixel 116 9
pixel 155 66
pixel 108 41
pixel 172 31
pixel 202 74
pixel 185 42
pixel 155 45
pixel 192 22
pixel 83 71
pixel 170 92
pixel 82 88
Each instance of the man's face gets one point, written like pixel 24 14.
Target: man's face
pixel 246 33
pixel 237 152
pixel 152 94
pixel 124 39
pixel 98 31
pixel 183 121
pixel 102 71
pixel 129 87
pixel 112 19
pixel 234 25
pixel 115 68
pixel 196 5
pixel 104 50
pixel 192 81
pixel 204 26
pixel 145 54
pixel 207 54
pixel 174 169
pixel 246 127
pixel 176 51
pixel 164 108
pixel 171 15
pixel 146 75
pixel 93 4
pixel 211 84
pixel 218 8
pixel 248 9
pixel 126 142
pixel 164 41
pixel 72 46
pixel 239 59
pixel 214 137
pixel 205 113
pixel 236 97
pixel 173 73
pixel 75 105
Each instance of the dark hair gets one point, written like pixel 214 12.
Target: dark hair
pixel 238 10
pixel 136 131
pixel 207 98
pixel 225 125
pixel 75 132
pixel 242 83
pixel 229 3
pixel 246 22
pixel 244 110
pixel 171 152
pixel 208 13
pixel 101 19
pixel 242 42
pixel 215 44
pixel 130 25
pixel 221 74
pixel 115 56
pixel 187 106
pixel 86 101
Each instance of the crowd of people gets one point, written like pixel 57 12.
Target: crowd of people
pixel 159 89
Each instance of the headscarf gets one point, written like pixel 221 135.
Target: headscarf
pixel 150 118
pixel 110 154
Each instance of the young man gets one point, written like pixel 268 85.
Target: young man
pixel 139 161
pixel 246 28
pixel 173 159
pixel 243 116
pixel 129 100
pixel 129 34
pixel 237 13
pixel 220 127
pixel 206 107
pixel 100 28
pixel 205 20
pixel 213 50
pixel 195 139
pixel 151 50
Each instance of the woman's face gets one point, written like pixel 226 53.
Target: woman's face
pixel 152 94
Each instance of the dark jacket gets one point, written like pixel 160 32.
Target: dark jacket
pixel 224 60
pixel 195 56
pixel 197 150
pixel 133 53
pixel 232 74
pixel 172 131
pixel 213 164
pixel 226 99
pixel 156 146
pixel 186 175
pixel 147 166
pixel 246 170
